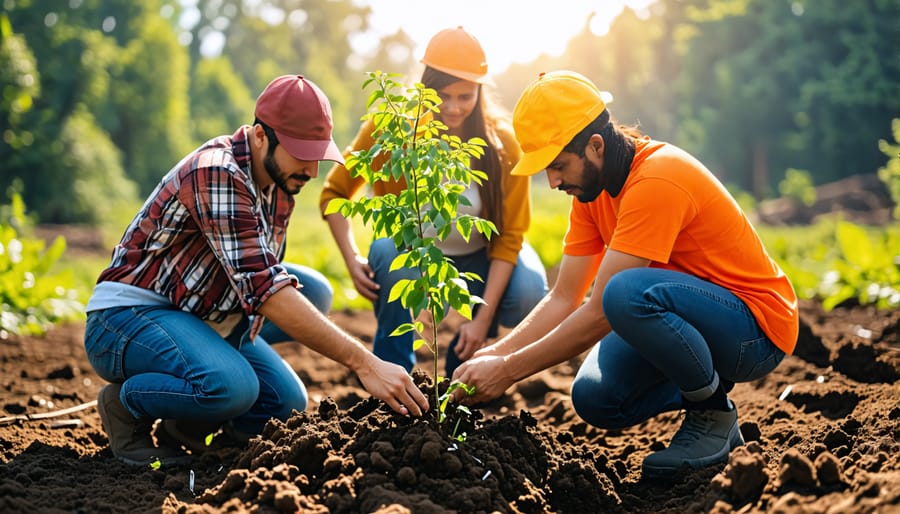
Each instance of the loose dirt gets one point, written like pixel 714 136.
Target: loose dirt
pixel 822 431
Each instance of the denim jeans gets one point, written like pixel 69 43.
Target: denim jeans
pixel 674 336
pixel 527 286
pixel 172 365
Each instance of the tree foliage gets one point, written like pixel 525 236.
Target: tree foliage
pixel 890 172
pixel 435 167
pixel 752 87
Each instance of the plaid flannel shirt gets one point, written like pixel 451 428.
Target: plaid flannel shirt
pixel 208 238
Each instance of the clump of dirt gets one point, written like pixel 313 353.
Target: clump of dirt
pixel 822 431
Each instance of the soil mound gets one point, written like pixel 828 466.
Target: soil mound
pixel 822 431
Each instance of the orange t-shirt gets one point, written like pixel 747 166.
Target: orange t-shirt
pixel 674 212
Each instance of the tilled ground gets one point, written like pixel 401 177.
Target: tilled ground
pixel 822 431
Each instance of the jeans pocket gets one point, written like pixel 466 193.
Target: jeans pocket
pixel 758 358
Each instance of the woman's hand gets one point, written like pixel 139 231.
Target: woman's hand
pixel 472 336
pixel 487 374
pixel 363 278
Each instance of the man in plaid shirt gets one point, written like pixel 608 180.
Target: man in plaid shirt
pixel 181 321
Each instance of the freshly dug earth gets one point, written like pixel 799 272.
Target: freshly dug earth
pixel 822 431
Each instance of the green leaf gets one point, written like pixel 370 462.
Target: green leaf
pixel 855 244
pixel 464 226
pixel 335 205
pixel 399 289
pixel 403 329
pixel 399 261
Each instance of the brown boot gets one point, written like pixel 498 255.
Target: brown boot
pixel 129 438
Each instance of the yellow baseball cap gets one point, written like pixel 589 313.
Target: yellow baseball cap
pixel 549 113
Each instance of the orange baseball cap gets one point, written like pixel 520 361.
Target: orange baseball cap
pixel 458 53
pixel 549 113
pixel 300 114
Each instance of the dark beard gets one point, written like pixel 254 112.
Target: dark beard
pixel 274 171
pixel 593 185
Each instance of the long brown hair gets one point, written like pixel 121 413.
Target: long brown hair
pixel 481 123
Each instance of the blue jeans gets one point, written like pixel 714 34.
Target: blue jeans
pixel 527 286
pixel 674 337
pixel 172 365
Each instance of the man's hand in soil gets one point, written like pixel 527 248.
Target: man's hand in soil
pixel 391 383
pixel 300 320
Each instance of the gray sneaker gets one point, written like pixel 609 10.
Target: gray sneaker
pixel 705 438
pixel 129 438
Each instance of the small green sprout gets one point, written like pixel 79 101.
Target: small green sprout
pixel 445 401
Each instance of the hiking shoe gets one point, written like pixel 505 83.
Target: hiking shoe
pixel 129 438
pixel 705 438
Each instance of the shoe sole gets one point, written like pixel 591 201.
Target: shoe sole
pixel 735 439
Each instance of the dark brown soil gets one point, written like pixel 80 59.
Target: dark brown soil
pixel 823 435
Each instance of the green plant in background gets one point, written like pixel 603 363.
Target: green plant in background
pixel 32 298
pixel 798 186
pixel 867 269
pixel 435 167
pixel 835 260
pixel 890 173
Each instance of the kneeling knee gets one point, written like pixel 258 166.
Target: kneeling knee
pixel 595 407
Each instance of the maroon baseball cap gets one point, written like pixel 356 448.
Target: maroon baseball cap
pixel 300 114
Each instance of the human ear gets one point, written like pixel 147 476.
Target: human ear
pixel 258 135
pixel 596 144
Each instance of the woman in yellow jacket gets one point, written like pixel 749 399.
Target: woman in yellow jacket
pixel 514 277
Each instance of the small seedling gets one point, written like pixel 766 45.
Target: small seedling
pixel 445 402
pixel 436 169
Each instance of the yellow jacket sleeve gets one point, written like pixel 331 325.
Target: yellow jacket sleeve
pixel 516 201
pixel 339 183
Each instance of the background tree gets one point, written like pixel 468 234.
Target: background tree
pixel 151 103
pixel 63 160
pixel 752 87
pixel 219 104
pixel 20 82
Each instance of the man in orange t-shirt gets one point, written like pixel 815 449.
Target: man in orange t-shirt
pixel 685 301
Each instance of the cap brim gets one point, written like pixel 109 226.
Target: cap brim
pixel 471 77
pixel 536 161
pixel 307 150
